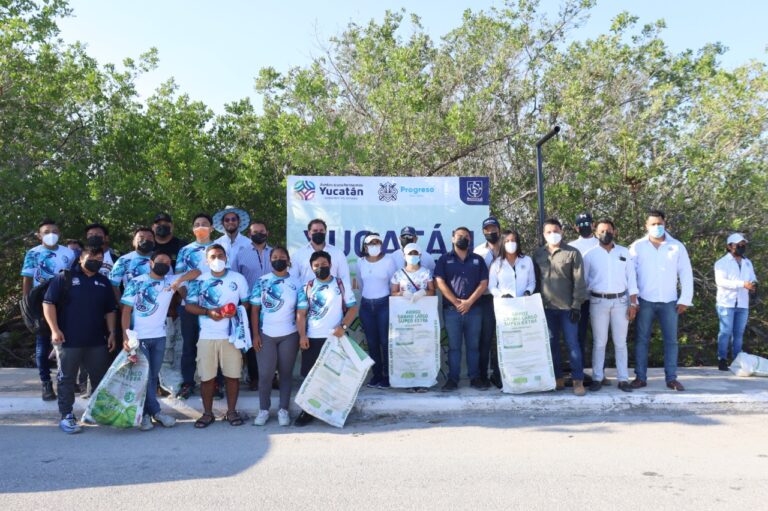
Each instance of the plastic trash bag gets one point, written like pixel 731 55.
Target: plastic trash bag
pixel 119 399
pixel 749 365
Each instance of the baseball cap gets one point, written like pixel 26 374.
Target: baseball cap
pixel 162 217
pixel 584 219
pixel 410 247
pixel 736 238
pixel 408 231
pixel 371 237
pixel 491 220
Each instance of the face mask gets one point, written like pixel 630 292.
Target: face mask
pixel 492 237
pixel 50 239
pixel 323 272
pixel 217 265
pixel 413 259
pixel 163 230
pixel 146 246
pixel 279 264
pixel 92 265
pixel 374 250
pixel 201 233
pixel 259 238
pixel 462 243
pixel 606 238
pixel 161 269
pixel 318 238
pixel 656 231
pixel 510 247
pixel 585 231
pixel 553 238
pixel 94 241
pixel 741 250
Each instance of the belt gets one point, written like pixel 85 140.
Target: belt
pixel 608 295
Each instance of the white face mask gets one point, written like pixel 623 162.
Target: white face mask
pixel 217 265
pixel 374 250
pixel 510 247
pixel 50 239
pixel 553 238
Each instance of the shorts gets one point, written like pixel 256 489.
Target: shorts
pixel 215 353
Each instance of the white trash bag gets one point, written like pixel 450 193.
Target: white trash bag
pixel 749 365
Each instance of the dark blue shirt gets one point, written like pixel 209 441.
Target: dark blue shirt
pixel 81 313
pixel 462 277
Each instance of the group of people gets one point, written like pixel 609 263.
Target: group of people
pixel 296 301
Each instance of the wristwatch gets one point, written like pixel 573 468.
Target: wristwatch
pixel 344 327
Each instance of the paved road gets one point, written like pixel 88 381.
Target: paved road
pixel 632 461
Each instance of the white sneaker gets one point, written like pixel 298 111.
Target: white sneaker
pixel 261 418
pixel 166 420
pixel 146 423
pixel 283 417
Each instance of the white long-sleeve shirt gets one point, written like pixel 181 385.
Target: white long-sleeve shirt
pixel 658 270
pixel 730 279
pixel 302 270
pixel 610 272
pixel 584 245
pixel 512 280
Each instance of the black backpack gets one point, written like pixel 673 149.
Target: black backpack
pixel 32 305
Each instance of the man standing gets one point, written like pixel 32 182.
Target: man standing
pixel 563 290
pixel 488 351
pixel 230 221
pixel 97 235
pixel 317 231
pixel 735 279
pixel 408 236
pixel 612 286
pixel 41 264
pixel 207 296
pixel 165 241
pixel 660 260
pixel 135 263
pixel 78 327
pixel 462 277
pixel 584 243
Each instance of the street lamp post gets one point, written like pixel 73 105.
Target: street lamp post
pixel 540 179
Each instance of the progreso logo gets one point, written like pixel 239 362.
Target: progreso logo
pixel 304 189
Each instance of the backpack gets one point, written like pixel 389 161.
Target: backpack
pixel 32 305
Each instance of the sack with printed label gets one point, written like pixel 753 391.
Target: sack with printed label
pixel 119 399
pixel 749 365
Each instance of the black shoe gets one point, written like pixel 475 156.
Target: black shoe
pixel 625 386
pixel 478 384
pixel 303 419
pixel 496 381
pixel 722 364
pixel 78 389
pixel 48 393
pixel 450 386
pixel 606 382
pixel 595 386
pixel 587 380
pixel 186 391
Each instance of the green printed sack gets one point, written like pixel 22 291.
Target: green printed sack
pixel 119 399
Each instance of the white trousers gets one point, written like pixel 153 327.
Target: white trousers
pixel 608 313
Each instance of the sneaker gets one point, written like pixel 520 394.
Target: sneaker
pixel 146 423
pixel 69 425
pixel 383 384
pixel 450 386
pixel 303 419
pixel 283 417
pixel 48 393
pixel 722 364
pixel 478 384
pixel 165 420
pixel 186 391
pixel 373 383
pixel 625 386
pixel 261 418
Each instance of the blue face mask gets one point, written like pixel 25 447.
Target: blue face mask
pixel 412 259
pixel 656 231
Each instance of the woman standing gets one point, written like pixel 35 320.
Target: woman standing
pixel 374 270
pixel 512 273
pixel 278 322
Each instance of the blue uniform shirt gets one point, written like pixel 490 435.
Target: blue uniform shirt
pixel 462 277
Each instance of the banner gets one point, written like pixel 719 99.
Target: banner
pixel 414 342
pixel 522 339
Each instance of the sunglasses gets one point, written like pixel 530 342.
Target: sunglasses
pixel 231 220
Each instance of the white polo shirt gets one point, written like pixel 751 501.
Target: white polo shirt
pixel 584 245
pixel 730 279
pixel 610 272
pixel 659 269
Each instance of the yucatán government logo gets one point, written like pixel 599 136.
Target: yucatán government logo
pixel 304 189
pixel 387 192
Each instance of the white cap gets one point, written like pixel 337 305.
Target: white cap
pixel 735 238
pixel 370 238
pixel 410 247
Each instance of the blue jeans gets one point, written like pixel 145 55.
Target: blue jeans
pixel 666 313
pixel 153 349
pixel 560 321
pixel 374 315
pixel 467 328
pixel 43 349
pixel 733 322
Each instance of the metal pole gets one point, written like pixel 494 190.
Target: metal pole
pixel 540 179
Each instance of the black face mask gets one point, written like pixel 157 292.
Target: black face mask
pixel 492 237
pixel 93 265
pixel 163 230
pixel 606 238
pixel 161 269
pixel 585 231
pixel 741 250
pixel 146 246
pixel 279 264
pixel 323 272
pixel 318 238
pixel 462 243
pixel 259 238
pixel 94 241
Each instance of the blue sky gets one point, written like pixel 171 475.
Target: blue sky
pixel 215 49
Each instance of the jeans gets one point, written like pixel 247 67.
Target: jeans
pixel 464 327
pixel 374 315
pixel 43 349
pixel 96 360
pixel 605 313
pixel 488 348
pixel 560 321
pixel 733 322
pixel 190 331
pixel 666 314
pixel 154 350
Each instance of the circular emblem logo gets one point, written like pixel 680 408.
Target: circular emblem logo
pixel 304 189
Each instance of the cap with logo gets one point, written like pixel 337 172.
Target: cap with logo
pixel 408 231
pixel 583 219
pixel 491 220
